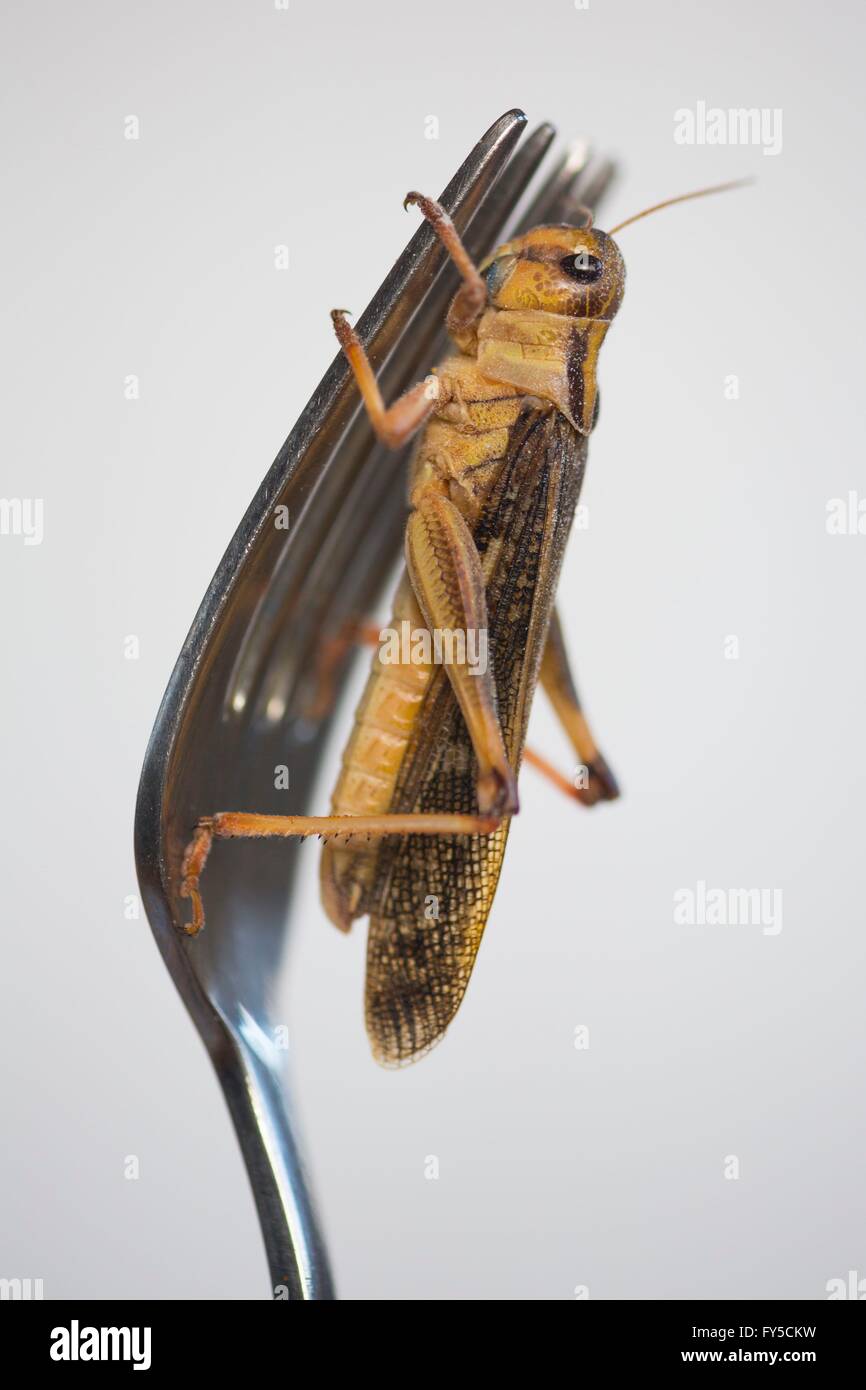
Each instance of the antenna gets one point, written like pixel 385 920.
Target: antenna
pixel 681 198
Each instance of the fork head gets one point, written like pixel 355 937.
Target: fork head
pixel 238 700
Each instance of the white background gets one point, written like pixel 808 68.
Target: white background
pixel 558 1167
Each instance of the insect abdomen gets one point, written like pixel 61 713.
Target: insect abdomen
pixel 372 760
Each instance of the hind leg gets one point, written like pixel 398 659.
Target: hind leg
pixel 233 825
pixel 559 686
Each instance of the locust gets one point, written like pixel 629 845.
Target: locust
pixel 428 786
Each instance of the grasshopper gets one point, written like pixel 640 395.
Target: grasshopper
pixel 421 811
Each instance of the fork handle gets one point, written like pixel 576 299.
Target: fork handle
pixel 293 1242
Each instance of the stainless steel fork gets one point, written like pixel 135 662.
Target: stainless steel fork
pixel 237 702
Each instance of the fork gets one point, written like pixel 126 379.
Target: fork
pixel 238 700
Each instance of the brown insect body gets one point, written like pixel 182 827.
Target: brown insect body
pixel 506 444
pixel 422 807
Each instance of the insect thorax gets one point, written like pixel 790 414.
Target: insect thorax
pixel 547 355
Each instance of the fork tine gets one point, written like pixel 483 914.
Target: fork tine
pixel 499 207
pixel 345 578
pixel 343 581
pixel 575 177
pixel 359 494
pixel 478 237
pixel 397 300
pixel 305 461
pixel 578 180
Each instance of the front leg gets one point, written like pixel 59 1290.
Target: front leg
pixel 396 424
pixel 445 569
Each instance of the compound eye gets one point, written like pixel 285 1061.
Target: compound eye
pixel 582 267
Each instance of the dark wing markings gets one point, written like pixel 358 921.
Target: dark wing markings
pixel 432 896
